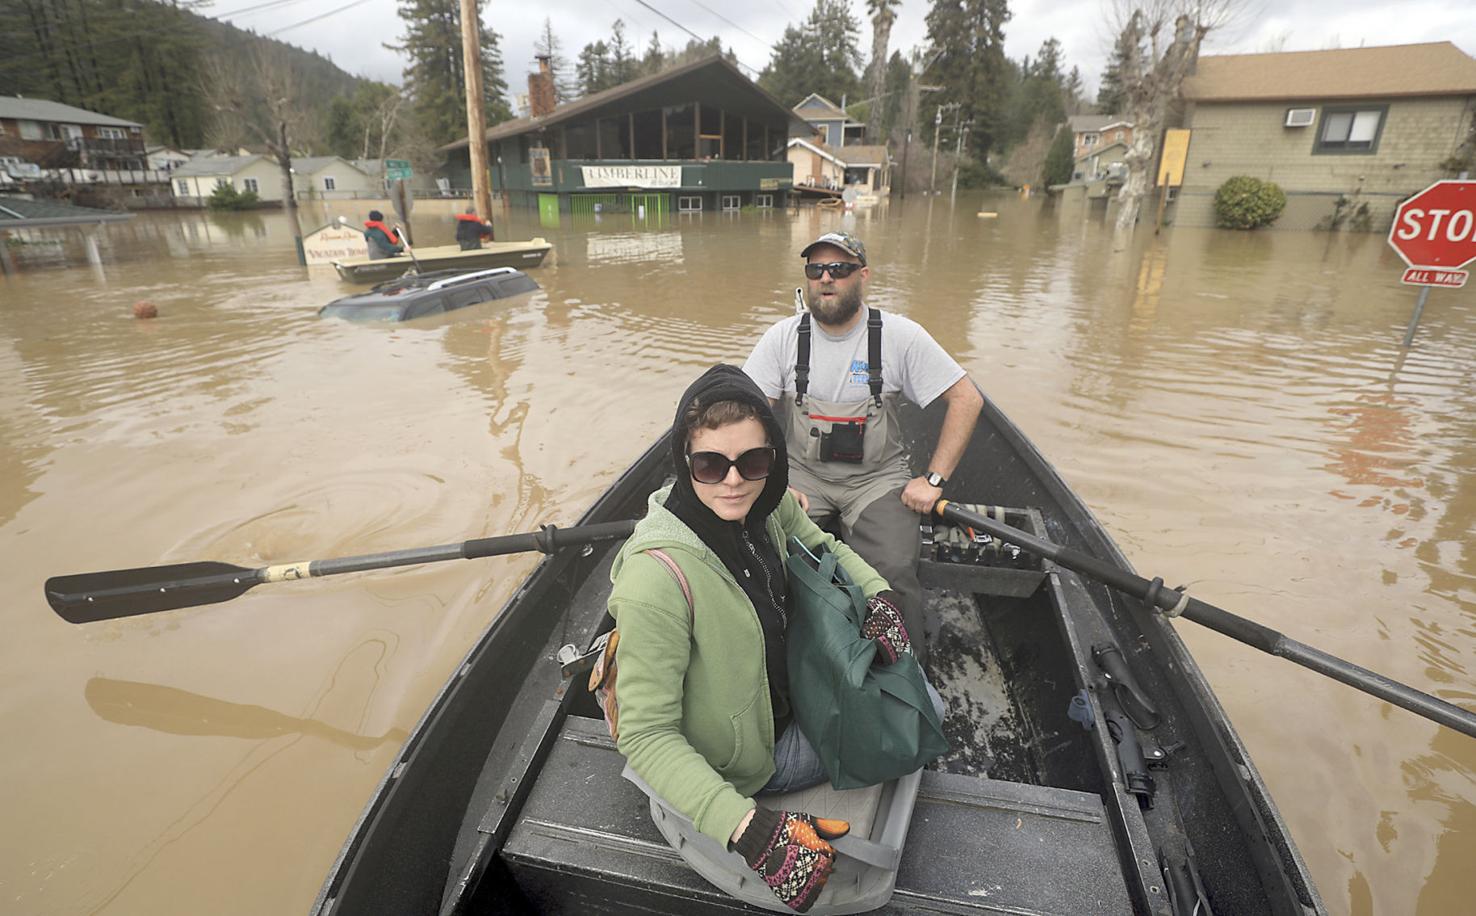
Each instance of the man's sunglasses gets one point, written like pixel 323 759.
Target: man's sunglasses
pixel 838 269
pixel 712 467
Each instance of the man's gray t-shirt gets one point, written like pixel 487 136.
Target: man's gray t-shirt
pixel 912 362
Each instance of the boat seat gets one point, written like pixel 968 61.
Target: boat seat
pixel 585 842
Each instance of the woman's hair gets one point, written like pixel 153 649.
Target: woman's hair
pixel 717 414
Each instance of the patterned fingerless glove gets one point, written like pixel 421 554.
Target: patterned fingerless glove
pixel 885 625
pixel 788 850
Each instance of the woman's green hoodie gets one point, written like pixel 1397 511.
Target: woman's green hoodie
pixel 696 722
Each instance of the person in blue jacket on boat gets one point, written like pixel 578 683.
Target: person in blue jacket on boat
pixel 384 242
pixel 704 714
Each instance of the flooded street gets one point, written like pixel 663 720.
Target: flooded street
pixel 1235 407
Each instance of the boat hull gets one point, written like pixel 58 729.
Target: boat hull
pixel 459 790
pixel 521 255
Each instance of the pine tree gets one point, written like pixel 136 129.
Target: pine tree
pixel 1059 162
pixel 593 68
pixel 655 58
pixel 623 65
pixel 435 79
pixel 1111 98
pixel 967 38
pixel 547 44
pixel 822 55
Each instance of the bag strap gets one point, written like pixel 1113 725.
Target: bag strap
pixel 802 361
pixel 676 573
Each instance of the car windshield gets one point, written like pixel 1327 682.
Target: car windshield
pixel 386 312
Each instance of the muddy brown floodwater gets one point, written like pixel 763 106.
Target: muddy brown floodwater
pixel 1234 407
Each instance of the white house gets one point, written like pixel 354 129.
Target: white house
pixel 818 165
pixel 332 178
pixel 193 182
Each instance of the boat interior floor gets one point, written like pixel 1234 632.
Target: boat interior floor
pixel 1008 821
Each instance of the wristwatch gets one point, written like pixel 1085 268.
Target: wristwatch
pixel 935 479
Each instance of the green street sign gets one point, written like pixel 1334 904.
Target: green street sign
pixel 397 169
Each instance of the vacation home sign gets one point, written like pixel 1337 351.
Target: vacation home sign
pixel 632 176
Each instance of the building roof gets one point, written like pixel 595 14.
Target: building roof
pixel 846 155
pixel 1087 124
pixel 22 213
pixel 1433 68
pixel 816 107
pixel 587 104
pixel 23 109
pixel 214 165
pixel 310 165
pixel 1099 150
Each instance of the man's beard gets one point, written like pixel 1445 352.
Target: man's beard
pixel 835 311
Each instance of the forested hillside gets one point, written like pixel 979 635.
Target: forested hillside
pixel 151 62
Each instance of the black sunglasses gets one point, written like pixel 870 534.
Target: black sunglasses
pixel 712 467
pixel 838 269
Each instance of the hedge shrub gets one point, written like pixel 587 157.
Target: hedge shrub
pixel 1244 202
pixel 225 197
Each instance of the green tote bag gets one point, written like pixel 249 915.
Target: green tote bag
pixel 869 724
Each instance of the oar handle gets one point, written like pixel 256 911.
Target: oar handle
pixel 1222 621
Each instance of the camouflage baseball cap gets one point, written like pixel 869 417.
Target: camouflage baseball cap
pixel 845 241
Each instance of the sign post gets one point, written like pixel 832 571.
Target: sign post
pixel 1435 233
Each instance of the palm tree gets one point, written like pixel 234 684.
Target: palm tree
pixel 883 14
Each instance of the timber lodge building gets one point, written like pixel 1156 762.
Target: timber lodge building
pixel 698 137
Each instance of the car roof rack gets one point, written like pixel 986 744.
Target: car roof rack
pixel 466 278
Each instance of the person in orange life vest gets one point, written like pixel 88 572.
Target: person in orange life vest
pixel 383 241
pixel 470 230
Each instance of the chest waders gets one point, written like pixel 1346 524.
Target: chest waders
pixel 849 451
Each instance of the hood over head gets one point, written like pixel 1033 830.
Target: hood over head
pixel 724 383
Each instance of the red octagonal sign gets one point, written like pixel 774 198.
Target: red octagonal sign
pixel 1437 227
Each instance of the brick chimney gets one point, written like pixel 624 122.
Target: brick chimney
pixel 541 98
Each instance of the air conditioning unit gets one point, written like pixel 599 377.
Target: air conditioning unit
pixel 1300 117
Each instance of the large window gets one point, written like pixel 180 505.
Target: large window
pixel 253 187
pixel 755 146
pixel 648 134
pixel 615 137
pixel 328 184
pixel 1350 130
pixel 681 132
pixel 579 141
pixel 184 188
pixel 732 136
pixel 112 133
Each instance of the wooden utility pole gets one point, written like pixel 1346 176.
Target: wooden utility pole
pixel 476 117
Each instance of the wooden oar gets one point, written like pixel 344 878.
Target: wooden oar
pixel 1176 603
pixel 90 597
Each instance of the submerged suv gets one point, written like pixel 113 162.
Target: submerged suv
pixel 418 295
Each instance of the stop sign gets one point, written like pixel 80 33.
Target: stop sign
pixel 1437 227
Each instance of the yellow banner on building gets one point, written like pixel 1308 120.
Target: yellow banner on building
pixel 1175 154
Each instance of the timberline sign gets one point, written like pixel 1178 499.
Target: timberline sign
pixel 632 176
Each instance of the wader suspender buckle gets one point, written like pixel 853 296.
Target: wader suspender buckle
pixel 802 362
pixel 873 354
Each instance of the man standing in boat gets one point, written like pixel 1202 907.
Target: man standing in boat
pixel 470 230
pixel 836 373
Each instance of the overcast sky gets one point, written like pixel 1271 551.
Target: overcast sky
pixel 354 38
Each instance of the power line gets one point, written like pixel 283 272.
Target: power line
pixel 690 32
pixel 333 12
pixel 221 17
pixel 730 22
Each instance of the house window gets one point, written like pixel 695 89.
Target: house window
pixel 691 204
pixel 222 182
pixel 732 202
pixel 1090 140
pixel 763 201
pixel 1117 137
pixel 328 183
pixel 30 130
pixel 184 188
pixel 112 133
pixel 1350 130
pixel 250 184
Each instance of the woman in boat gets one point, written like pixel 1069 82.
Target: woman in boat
pixel 704 714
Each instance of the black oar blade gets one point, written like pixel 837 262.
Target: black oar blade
pixel 91 597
